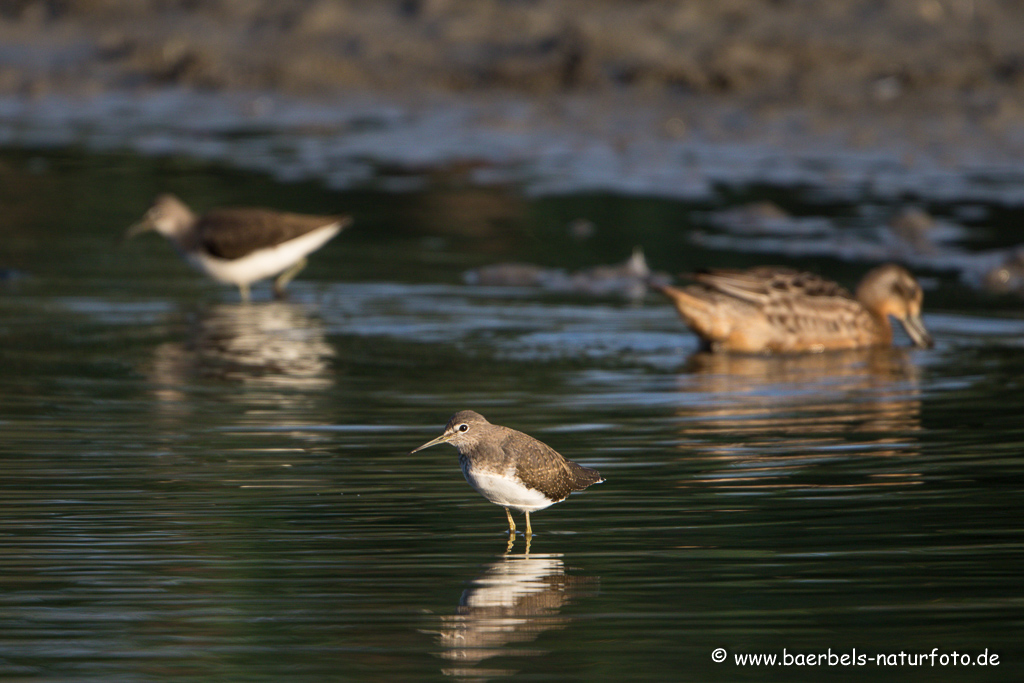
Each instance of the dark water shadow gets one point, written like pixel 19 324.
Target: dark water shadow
pixel 512 602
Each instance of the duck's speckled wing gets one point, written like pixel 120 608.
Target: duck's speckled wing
pixel 234 233
pixel 768 285
pixel 799 310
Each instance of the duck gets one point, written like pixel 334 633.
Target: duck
pixel 772 309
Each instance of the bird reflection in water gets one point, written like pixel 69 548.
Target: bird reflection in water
pixel 513 601
pixel 266 345
pixel 794 409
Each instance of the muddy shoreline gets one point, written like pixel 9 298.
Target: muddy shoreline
pixel 871 68
pixel 937 74
pixel 842 55
pixel 887 102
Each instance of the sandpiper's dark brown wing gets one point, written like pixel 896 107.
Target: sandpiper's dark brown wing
pixel 543 468
pixel 234 233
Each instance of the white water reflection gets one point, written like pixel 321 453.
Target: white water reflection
pixel 276 352
pixel 512 602
pixel 275 343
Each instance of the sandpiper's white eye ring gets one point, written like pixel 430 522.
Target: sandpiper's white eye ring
pixel 463 427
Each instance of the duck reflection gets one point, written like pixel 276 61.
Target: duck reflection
pixel 513 601
pixel 274 344
pixel 788 410
pixel 869 389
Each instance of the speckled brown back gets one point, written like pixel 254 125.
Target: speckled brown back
pixel 776 309
pixel 535 463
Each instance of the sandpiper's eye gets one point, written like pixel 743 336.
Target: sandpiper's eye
pixel 463 427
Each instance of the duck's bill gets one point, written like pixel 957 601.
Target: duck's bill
pixel 918 334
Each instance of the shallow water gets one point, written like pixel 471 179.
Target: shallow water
pixel 193 489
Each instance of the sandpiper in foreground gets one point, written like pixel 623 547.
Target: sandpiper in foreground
pixel 510 468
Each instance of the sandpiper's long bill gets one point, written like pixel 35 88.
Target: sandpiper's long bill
pixel 510 468
pixel 240 246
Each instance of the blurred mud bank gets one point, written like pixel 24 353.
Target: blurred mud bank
pixel 843 53
pixel 910 97
pixel 840 54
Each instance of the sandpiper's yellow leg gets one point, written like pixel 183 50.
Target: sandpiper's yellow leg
pixel 511 522
pixel 529 531
pixel 243 289
pixel 528 539
pixel 286 277
pixel 511 540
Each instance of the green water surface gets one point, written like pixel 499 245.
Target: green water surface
pixel 192 489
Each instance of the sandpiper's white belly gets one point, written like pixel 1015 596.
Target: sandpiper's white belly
pixel 507 491
pixel 262 263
